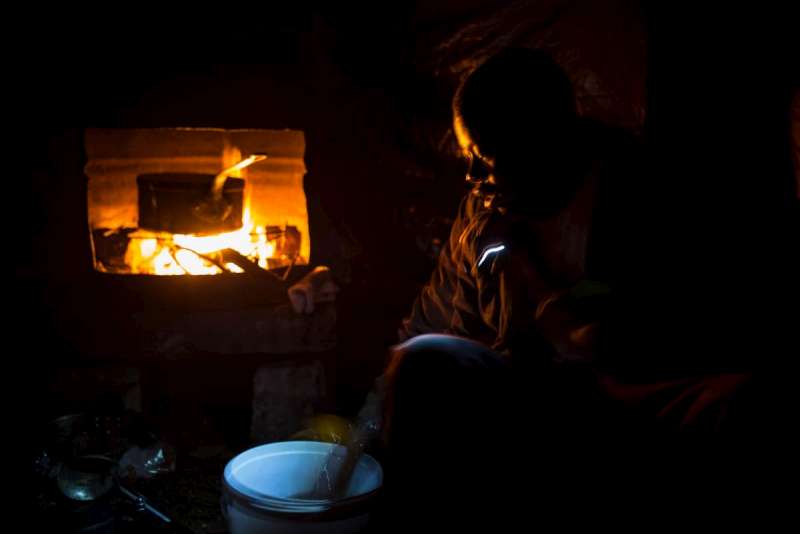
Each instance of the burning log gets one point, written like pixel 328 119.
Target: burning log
pixel 248 266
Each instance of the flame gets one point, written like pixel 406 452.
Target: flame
pixel 162 253
pixel 178 254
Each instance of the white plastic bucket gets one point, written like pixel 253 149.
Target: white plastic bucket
pixel 261 487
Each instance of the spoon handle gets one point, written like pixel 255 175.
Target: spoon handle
pixel 222 176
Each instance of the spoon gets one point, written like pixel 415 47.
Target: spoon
pixel 215 209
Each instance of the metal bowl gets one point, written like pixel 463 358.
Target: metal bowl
pixel 87 478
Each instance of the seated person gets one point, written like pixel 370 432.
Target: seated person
pixel 508 352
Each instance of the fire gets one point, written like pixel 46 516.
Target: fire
pixel 274 230
pixel 177 254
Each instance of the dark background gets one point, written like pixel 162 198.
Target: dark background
pixel 709 91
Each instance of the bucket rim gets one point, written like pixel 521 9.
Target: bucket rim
pixel 260 503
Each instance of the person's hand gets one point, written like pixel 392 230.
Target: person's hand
pixel 560 319
pixel 316 287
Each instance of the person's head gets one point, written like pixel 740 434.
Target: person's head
pixel 516 122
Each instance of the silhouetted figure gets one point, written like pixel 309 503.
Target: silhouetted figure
pixel 511 373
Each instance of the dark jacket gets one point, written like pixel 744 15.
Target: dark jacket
pixel 491 294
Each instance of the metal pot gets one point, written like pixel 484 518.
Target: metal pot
pixel 168 202
pixel 190 203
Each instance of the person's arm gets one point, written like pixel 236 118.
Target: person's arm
pixel 572 320
pixel 448 302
